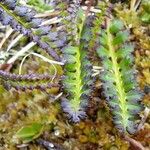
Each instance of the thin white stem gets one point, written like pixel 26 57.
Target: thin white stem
pixel 13 42
pixel 97 67
pixel 95 74
pixel 20 67
pixel 51 21
pixel 137 4
pixel 48 60
pixel 2 27
pixel 21 52
pixel 58 96
pixel 47 14
pixel 92 9
pixel 44 59
pixel 8 33
pixel 134 4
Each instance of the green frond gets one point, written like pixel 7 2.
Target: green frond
pixel 77 80
pixel 118 78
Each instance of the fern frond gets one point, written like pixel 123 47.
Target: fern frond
pixel 32 86
pixel 77 81
pixel 23 20
pixel 96 21
pixel 69 10
pixel 119 83
pixel 36 77
pixel 27 81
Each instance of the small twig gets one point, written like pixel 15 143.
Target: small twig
pixel 58 96
pixel 97 67
pixel 144 117
pixel 96 70
pixel 47 14
pixel 137 145
pixel 137 4
pixel 60 27
pixel 95 73
pixel 49 145
pixel 22 145
pixel 134 4
pixel 92 9
pixel 51 21
pixel 8 33
pixel 14 41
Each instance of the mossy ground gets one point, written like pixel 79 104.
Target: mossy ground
pixel 97 132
